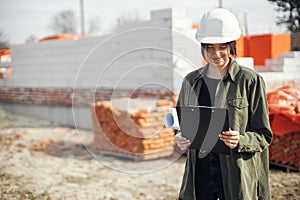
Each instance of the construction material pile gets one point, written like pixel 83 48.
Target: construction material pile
pixel 284 113
pixel 132 128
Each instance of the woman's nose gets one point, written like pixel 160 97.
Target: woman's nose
pixel 217 52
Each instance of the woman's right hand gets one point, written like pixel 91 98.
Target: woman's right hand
pixel 182 142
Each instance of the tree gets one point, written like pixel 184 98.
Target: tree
pixel 64 22
pixel 290 10
pixel 31 39
pixel 93 25
pixel 3 41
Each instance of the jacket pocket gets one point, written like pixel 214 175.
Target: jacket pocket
pixel 238 103
pixel 238 113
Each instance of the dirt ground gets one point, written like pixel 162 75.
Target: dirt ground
pixel 42 160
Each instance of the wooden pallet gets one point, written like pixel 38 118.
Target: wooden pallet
pixel 284 167
pixel 285 151
pixel 168 151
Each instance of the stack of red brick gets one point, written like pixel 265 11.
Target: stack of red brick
pixel 284 112
pixel 132 128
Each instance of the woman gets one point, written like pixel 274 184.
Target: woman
pixel 222 82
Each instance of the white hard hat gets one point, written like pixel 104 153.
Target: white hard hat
pixel 218 26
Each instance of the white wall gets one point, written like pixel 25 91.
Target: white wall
pixel 139 54
pixel 152 54
pixel 79 117
pixel 58 63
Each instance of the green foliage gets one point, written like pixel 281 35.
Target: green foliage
pixel 65 22
pixel 290 14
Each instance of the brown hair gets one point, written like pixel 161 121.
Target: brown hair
pixel 232 47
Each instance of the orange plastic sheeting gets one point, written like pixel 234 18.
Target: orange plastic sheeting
pixel 275 109
pixel 269 46
pixel 4 52
pixel 285 122
pixel 292 91
pixel 63 37
pixel 195 26
pixel 284 110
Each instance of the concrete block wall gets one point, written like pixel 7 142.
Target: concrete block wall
pixel 285 70
pixel 86 62
pixel 286 62
pixel 66 106
pixel 139 60
pixel 57 80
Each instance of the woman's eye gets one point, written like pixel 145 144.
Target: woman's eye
pixel 213 49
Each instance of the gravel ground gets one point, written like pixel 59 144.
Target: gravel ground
pixel 42 160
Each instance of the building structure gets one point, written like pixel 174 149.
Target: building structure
pixel 58 80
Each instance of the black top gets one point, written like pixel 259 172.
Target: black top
pixel 208 91
pixel 208 178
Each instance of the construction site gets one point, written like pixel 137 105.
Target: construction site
pixel 87 113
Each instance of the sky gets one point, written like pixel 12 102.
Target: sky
pixel 21 18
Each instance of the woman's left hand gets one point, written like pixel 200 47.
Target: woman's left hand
pixel 230 138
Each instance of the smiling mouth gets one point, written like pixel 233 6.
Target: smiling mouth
pixel 216 59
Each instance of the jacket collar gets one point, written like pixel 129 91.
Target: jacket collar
pixel 232 71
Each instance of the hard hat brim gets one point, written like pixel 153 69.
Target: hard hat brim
pixel 217 39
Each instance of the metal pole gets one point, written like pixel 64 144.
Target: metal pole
pixel 220 4
pixel 246 24
pixel 82 17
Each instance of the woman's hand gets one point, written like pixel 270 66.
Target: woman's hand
pixel 230 138
pixel 182 142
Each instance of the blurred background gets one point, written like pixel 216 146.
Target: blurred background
pixel 86 80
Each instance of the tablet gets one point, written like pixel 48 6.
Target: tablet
pixel 202 126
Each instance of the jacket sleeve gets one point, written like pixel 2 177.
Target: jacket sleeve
pixel 180 100
pixel 259 136
pixel 181 96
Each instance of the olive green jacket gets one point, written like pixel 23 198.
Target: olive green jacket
pixel 245 170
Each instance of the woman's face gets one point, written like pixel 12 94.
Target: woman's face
pixel 218 54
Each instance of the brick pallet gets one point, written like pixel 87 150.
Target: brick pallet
pixel 132 128
pixel 285 151
pixel 284 114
